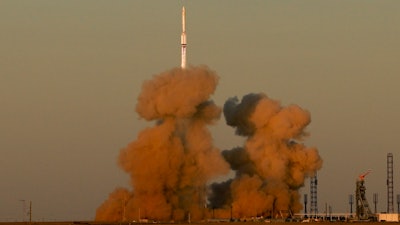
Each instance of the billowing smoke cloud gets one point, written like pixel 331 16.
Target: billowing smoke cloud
pixel 272 165
pixel 170 163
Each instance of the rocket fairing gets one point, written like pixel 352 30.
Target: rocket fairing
pixel 183 39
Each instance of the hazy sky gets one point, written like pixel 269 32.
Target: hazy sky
pixel 70 73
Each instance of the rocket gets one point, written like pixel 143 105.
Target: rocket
pixel 183 39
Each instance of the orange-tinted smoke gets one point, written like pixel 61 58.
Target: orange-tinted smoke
pixel 273 164
pixel 171 162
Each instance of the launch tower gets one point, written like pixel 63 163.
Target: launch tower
pixel 363 212
pixel 389 182
pixel 313 196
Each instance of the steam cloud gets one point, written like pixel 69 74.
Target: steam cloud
pixel 170 163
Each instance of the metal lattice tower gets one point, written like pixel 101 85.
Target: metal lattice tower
pixel 389 181
pixel 313 195
pixel 363 212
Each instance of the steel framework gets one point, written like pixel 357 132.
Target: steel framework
pixel 363 212
pixel 313 195
pixel 389 181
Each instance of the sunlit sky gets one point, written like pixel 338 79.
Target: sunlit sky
pixel 71 71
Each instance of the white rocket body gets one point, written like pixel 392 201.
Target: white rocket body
pixel 183 39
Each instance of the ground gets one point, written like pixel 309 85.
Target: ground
pixel 213 223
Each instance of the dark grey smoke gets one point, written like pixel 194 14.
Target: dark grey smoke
pixel 273 163
pixel 171 162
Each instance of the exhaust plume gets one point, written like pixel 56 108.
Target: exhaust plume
pixel 170 163
pixel 272 165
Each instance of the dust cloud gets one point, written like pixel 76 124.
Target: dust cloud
pixel 172 163
pixel 272 165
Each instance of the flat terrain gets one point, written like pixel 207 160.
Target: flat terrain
pixel 194 223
